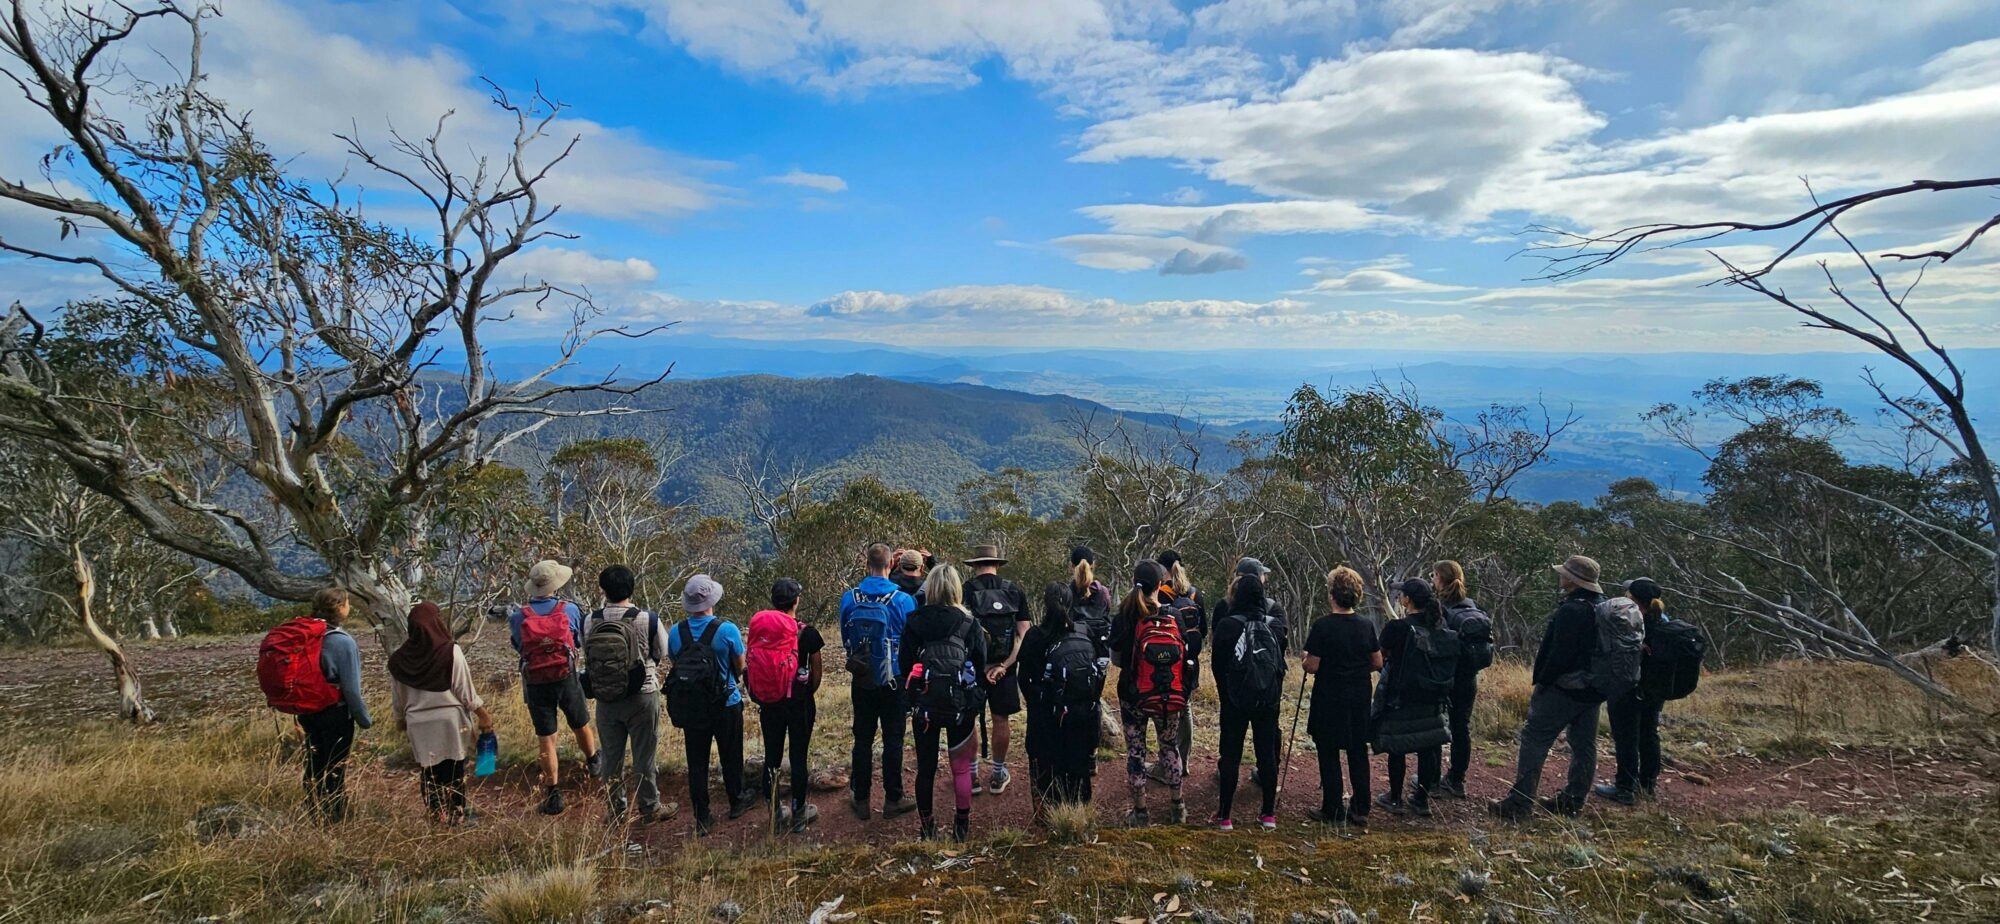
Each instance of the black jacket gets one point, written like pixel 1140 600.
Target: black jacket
pixel 1228 627
pixel 1569 641
pixel 936 622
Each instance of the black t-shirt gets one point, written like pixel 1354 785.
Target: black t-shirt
pixel 1016 600
pixel 1345 646
pixel 810 643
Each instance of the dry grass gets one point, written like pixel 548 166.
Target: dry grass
pixel 1070 824
pixel 561 893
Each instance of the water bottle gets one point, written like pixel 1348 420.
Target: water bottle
pixel 489 755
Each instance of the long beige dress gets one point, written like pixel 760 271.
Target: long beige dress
pixel 439 722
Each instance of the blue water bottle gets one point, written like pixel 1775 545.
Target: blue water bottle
pixel 489 755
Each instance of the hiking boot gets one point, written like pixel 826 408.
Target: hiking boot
pixel 1177 812
pixel 961 826
pixel 997 783
pixel 1420 807
pixel 1563 805
pixel 1512 808
pixel 1649 792
pixel 804 819
pixel 552 802
pixel 1615 793
pixel 1450 787
pixel 1222 824
pixel 928 830
pixel 860 808
pixel 660 813
pixel 1392 806
pixel 1270 822
pixel 1337 816
pixel 594 765
pixel 899 806
pixel 740 806
pixel 1358 820
pixel 703 823
pixel 1137 818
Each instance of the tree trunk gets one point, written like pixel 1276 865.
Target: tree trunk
pixel 150 627
pixel 131 700
pixel 171 630
pixel 381 596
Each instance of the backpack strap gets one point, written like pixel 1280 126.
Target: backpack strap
pixel 687 636
pixel 708 634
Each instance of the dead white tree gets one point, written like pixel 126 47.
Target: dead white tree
pixel 1880 317
pixel 321 332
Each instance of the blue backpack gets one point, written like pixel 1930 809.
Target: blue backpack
pixel 871 649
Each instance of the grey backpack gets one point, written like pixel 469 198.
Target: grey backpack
pixel 1614 663
pixel 615 654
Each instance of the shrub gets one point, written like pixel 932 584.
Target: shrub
pixel 561 893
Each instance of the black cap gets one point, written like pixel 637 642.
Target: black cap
pixel 1081 553
pixel 785 591
pixel 1149 575
pixel 1169 558
pixel 1644 588
pixel 1252 566
pixel 1417 589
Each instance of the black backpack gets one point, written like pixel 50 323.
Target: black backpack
pixel 1092 617
pixel 615 655
pixel 1257 675
pixel 695 690
pixel 1071 678
pixel 998 616
pixel 1427 667
pixel 1671 668
pixel 949 693
pixel 1475 636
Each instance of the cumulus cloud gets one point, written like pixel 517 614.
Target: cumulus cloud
pixel 575 267
pixel 821 181
pixel 1186 262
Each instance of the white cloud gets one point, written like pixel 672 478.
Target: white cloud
pixel 1378 282
pixel 1282 217
pixel 1418 22
pixel 564 266
pixel 1250 17
pixel 820 181
pixel 1172 255
pixel 1185 195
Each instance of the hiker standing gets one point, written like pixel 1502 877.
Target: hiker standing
pixel 908 574
pixel 873 616
pixel 309 667
pixel 622 647
pixel 1421 655
pixel 1002 610
pixel 1475 654
pixel 1151 655
pixel 1062 673
pixel 432 695
pixel 943 656
pixel 547 631
pixel 1669 669
pixel 783 677
pixel 1340 652
pixel 1192 612
pixel 1093 606
pixel 703 698
pixel 1565 700
pixel 1250 680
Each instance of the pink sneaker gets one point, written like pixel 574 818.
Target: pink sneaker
pixel 1270 822
pixel 1222 824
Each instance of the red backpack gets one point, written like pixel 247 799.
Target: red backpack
pixel 1159 660
pixel 546 643
pixel 773 661
pixel 288 668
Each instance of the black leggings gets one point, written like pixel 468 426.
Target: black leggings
pixel 1635 737
pixel 329 737
pixel 1066 759
pixel 726 733
pixel 958 740
pixel 1329 777
pixel 792 717
pixel 1263 730
pixel 1429 762
pixel 443 785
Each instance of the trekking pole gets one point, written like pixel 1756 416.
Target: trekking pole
pixel 1298 706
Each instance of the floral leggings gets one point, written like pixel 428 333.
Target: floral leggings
pixel 1168 729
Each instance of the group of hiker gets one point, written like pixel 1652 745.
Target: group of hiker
pixel 948 660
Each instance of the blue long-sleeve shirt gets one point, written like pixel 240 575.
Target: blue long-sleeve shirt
pixel 901 605
pixel 340 659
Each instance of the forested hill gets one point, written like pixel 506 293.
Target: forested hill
pixel 927 437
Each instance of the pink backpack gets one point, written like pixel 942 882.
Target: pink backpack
pixel 773 661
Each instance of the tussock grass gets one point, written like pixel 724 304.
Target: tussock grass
pixel 560 893
pixel 1070 824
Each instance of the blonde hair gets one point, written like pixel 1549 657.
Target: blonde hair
pixel 1344 586
pixel 1177 577
pixel 1081 577
pixel 326 603
pixel 942 588
pixel 1450 581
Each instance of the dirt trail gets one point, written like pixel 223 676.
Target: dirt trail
pixel 54 688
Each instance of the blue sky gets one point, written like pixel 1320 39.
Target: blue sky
pixel 1305 173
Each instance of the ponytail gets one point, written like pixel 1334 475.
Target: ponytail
pixel 1140 603
pixel 1656 609
pixel 1177 576
pixel 1450 581
pixel 1081 577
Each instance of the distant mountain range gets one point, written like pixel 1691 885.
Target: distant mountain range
pixel 854 407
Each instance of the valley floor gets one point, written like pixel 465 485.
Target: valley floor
pixel 1799 793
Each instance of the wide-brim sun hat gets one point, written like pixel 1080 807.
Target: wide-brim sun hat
pixel 547 577
pixel 1582 570
pixel 701 594
pixel 985 555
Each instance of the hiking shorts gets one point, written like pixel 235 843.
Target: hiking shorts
pixel 546 699
pixel 1004 698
